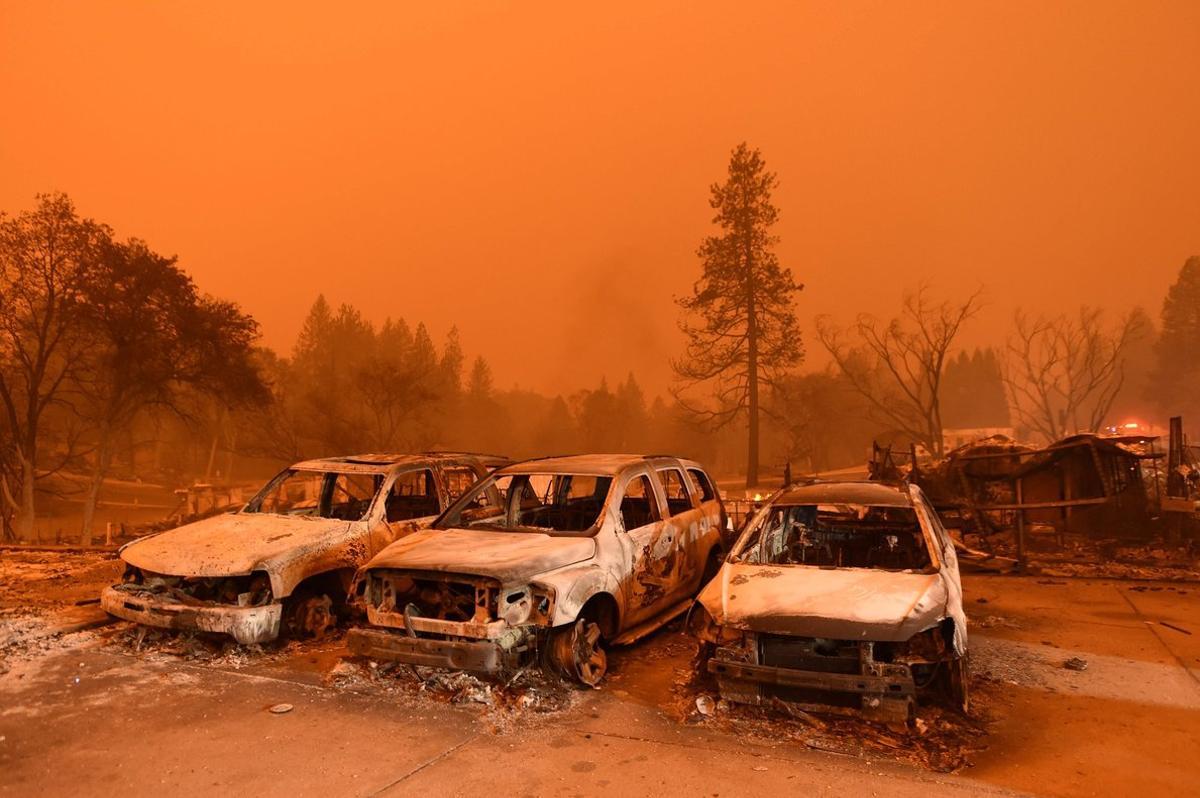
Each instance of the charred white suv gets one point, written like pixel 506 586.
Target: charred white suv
pixel 842 593
pixel 553 557
pixel 286 559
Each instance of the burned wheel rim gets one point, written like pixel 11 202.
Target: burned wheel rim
pixel 578 652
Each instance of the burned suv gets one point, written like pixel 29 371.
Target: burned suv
pixel 287 558
pixel 550 558
pixel 841 594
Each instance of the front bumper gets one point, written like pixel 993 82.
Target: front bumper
pixel 245 624
pixel 479 656
pixel 482 647
pixel 889 692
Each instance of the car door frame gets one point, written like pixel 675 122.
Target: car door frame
pixel 477 468
pixel 649 549
pixel 383 532
pixel 692 527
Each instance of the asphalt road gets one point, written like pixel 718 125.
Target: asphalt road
pixel 94 723
pixel 82 716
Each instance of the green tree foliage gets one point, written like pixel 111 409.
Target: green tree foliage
pixel 96 334
pixel 1176 375
pixel 740 323
pixel 351 388
pixel 155 342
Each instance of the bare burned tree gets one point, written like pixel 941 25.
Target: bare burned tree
pixel 898 366
pixel 1062 374
pixel 42 339
pixel 745 334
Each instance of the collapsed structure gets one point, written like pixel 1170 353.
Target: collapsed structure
pixel 1097 486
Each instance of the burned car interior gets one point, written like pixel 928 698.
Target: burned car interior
pixel 412 495
pixel 839 536
pixel 548 503
pixel 638 507
pixel 316 494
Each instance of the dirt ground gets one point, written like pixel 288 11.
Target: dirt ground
pixel 96 710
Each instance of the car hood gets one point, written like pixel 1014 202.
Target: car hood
pixel 238 543
pixel 841 604
pixel 510 557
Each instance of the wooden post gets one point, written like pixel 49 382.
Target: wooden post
pixel 1020 526
pixel 1068 494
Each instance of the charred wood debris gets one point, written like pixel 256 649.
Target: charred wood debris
pixel 1121 506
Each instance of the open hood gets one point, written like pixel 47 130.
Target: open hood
pixel 233 544
pixel 510 557
pixel 840 604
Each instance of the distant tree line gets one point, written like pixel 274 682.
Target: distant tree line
pixel 113 363
pixel 349 386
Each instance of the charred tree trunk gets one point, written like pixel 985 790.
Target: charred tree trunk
pixel 96 484
pixel 752 403
pixel 28 511
pixel 12 507
pixel 751 365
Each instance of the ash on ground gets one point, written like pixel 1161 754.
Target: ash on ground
pixel 938 739
pixel 505 700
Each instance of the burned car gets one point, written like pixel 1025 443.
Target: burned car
pixel 844 594
pixel 286 559
pixel 551 559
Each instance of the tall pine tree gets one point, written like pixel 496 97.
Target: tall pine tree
pixel 1175 385
pixel 741 327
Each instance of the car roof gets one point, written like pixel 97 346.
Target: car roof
pixel 879 494
pixel 380 463
pixel 597 464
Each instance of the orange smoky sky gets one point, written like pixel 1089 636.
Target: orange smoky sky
pixel 537 173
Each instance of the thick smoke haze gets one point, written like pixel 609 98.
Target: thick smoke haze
pixel 537 174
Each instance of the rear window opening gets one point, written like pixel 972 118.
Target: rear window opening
pixel 885 538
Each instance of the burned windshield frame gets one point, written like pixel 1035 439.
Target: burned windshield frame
pixel 505 518
pixel 749 547
pixel 325 503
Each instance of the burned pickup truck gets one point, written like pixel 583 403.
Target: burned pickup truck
pixel 551 558
pixel 286 560
pixel 844 594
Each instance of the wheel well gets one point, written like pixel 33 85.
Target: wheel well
pixel 334 584
pixel 949 632
pixel 603 609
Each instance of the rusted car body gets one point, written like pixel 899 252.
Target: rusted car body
pixel 555 557
pixel 287 558
pixel 844 594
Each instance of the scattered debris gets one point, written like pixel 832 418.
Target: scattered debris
pixel 995 622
